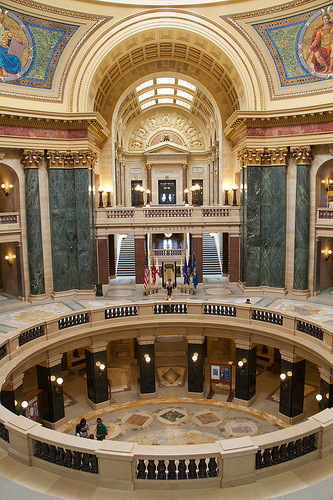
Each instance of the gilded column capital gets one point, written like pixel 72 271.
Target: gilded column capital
pixel 249 156
pixel 71 159
pixel 31 159
pixel 84 159
pixel 148 166
pixel 57 159
pixel 303 155
pixel 184 166
pixel 279 156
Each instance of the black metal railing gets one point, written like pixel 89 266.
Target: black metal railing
pixel 170 309
pixel 85 462
pixel 121 312
pixel 76 319
pixel 32 334
pixel 4 433
pixel 268 317
pixel 177 469
pixel 285 452
pixel 219 310
pixel 309 329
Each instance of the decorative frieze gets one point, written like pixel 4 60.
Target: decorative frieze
pixel 31 159
pixel 303 155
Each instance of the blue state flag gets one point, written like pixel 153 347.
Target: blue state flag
pixel 195 276
pixel 185 273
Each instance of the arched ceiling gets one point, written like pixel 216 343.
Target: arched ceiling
pixel 162 52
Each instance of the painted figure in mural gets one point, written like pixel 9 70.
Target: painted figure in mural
pixel 322 46
pixel 11 48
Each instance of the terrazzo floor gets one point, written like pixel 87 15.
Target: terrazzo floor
pixel 307 482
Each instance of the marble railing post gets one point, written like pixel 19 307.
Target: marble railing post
pixel 72 220
pixel 291 387
pixel 245 386
pixel 51 384
pixel 303 157
pixel 264 217
pixel 31 161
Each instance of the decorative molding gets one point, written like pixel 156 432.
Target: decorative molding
pixel 31 159
pixel 303 155
pixel 263 157
pixel 71 159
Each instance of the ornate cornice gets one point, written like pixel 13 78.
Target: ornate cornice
pixel 92 122
pixel 240 122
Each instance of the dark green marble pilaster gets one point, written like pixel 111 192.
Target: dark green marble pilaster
pixel 86 265
pixel 264 235
pixel 245 386
pixel 243 239
pixel 34 232
pixel 52 393
pixel 253 239
pixel 292 388
pixel 302 228
pixel 74 263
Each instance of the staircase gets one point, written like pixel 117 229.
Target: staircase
pixel 210 259
pixel 126 260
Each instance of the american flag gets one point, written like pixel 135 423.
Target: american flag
pixel 146 280
pixel 154 272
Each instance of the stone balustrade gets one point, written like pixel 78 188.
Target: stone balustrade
pixel 215 218
pixel 128 465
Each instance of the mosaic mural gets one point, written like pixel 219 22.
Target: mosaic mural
pixel 30 48
pixel 301 45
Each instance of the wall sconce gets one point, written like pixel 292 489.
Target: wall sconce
pixel 108 192
pixel 147 358
pixel 148 198
pixel 24 405
pixel 226 189
pixel 329 253
pixel 6 191
pixel 58 381
pixel 234 201
pixel 241 364
pixel 8 260
pixel 195 357
pixel 101 191
pixel 285 379
pixel 186 191
pixel 101 367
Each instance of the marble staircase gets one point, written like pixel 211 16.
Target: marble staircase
pixel 126 260
pixel 210 260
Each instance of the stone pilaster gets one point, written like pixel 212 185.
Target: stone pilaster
pixel 31 161
pixel 292 381
pixel 51 384
pixel 97 378
pixel 146 358
pixel 245 386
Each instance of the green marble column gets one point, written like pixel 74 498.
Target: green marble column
pixel 34 232
pixel 302 228
pixel 72 226
pixel 264 221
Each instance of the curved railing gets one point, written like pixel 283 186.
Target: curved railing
pixel 122 464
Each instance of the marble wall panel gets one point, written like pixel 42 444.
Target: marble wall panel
pixel 302 228
pixel 34 232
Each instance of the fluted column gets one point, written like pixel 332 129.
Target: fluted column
pixel 31 161
pixel 72 220
pixel 303 157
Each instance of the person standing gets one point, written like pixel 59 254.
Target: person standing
pixel 169 286
pixel 101 430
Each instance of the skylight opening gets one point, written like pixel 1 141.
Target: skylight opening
pixel 165 81
pixel 145 95
pixel 147 104
pixel 144 85
pixel 165 101
pixel 165 91
pixel 185 95
pixel 188 85
pixel 184 104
